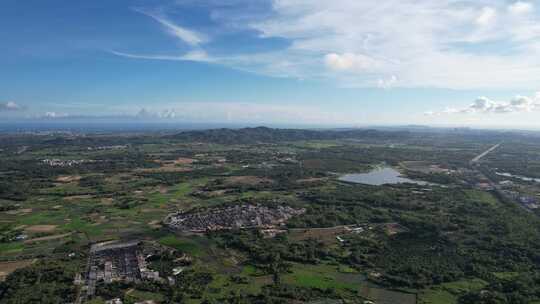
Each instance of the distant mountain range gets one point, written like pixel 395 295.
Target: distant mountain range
pixel 269 135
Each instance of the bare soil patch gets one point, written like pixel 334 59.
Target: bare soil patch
pixel 19 211
pixel 423 167
pixel 165 168
pixel 68 178
pixel 184 161
pixel 77 197
pixel 47 238
pixel 247 180
pixel 107 201
pixel 393 228
pixel 326 235
pixel 40 228
pixel 311 180
pixel 178 165
pixel 8 267
pixel 155 224
pixel 162 189
pixel 119 178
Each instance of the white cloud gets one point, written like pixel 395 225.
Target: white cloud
pixel 190 37
pixel 144 113
pixel 349 62
pixel 168 113
pixel 484 105
pixel 196 55
pixel 245 112
pixel 386 83
pixel 487 16
pixel 53 115
pixel 10 106
pixel 149 114
pixel 520 7
pixel 424 43
pixel 447 110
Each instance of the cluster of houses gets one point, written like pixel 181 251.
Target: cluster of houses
pixel 508 189
pixel 527 201
pixel 64 163
pixel 113 147
pixel 111 262
pixel 234 217
pixel 119 301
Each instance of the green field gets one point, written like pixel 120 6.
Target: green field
pixel 444 242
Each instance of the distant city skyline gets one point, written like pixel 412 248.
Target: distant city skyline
pixel 292 62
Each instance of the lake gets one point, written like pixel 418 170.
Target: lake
pixel 378 177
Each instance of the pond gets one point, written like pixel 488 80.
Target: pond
pixel 378 177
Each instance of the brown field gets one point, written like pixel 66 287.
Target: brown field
pixel 326 235
pixel 68 178
pixel 168 167
pixel 155 224
pixel 384 296
pixel 47 238
pixel 423 167
pixel 217 193
pixel 119 177
pixel 393 228
pixel 151 210
pixel 8 267
pixel 184 161
pixel 40 228
pixel 77 197
pixel 311 180
pixel 107 201
pixel 247 180
pixel 162 189
pixel 178 165
pixel 19 211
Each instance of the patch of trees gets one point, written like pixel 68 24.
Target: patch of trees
pixel 516 289
pixel 273 256
pixel 47 282
pixel 451 235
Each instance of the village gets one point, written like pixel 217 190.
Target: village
pixel 110 262
pixel 235 217
pixel 65 163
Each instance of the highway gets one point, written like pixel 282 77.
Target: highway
pixel 479 157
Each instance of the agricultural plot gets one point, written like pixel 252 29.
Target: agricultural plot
pixel 446 242
pixel 8 267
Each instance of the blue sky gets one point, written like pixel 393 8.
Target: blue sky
pixel 344 62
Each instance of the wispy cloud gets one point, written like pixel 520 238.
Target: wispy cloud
pixel 189 36
pixel 520 7
pixel 484 105
pixel 487 16
pixel 423 43
pixel 196 55
pixel 193 38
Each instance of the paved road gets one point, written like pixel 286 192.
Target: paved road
pixel 496 187
pixel 479 157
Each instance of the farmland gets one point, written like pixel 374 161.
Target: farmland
pixel 288 230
